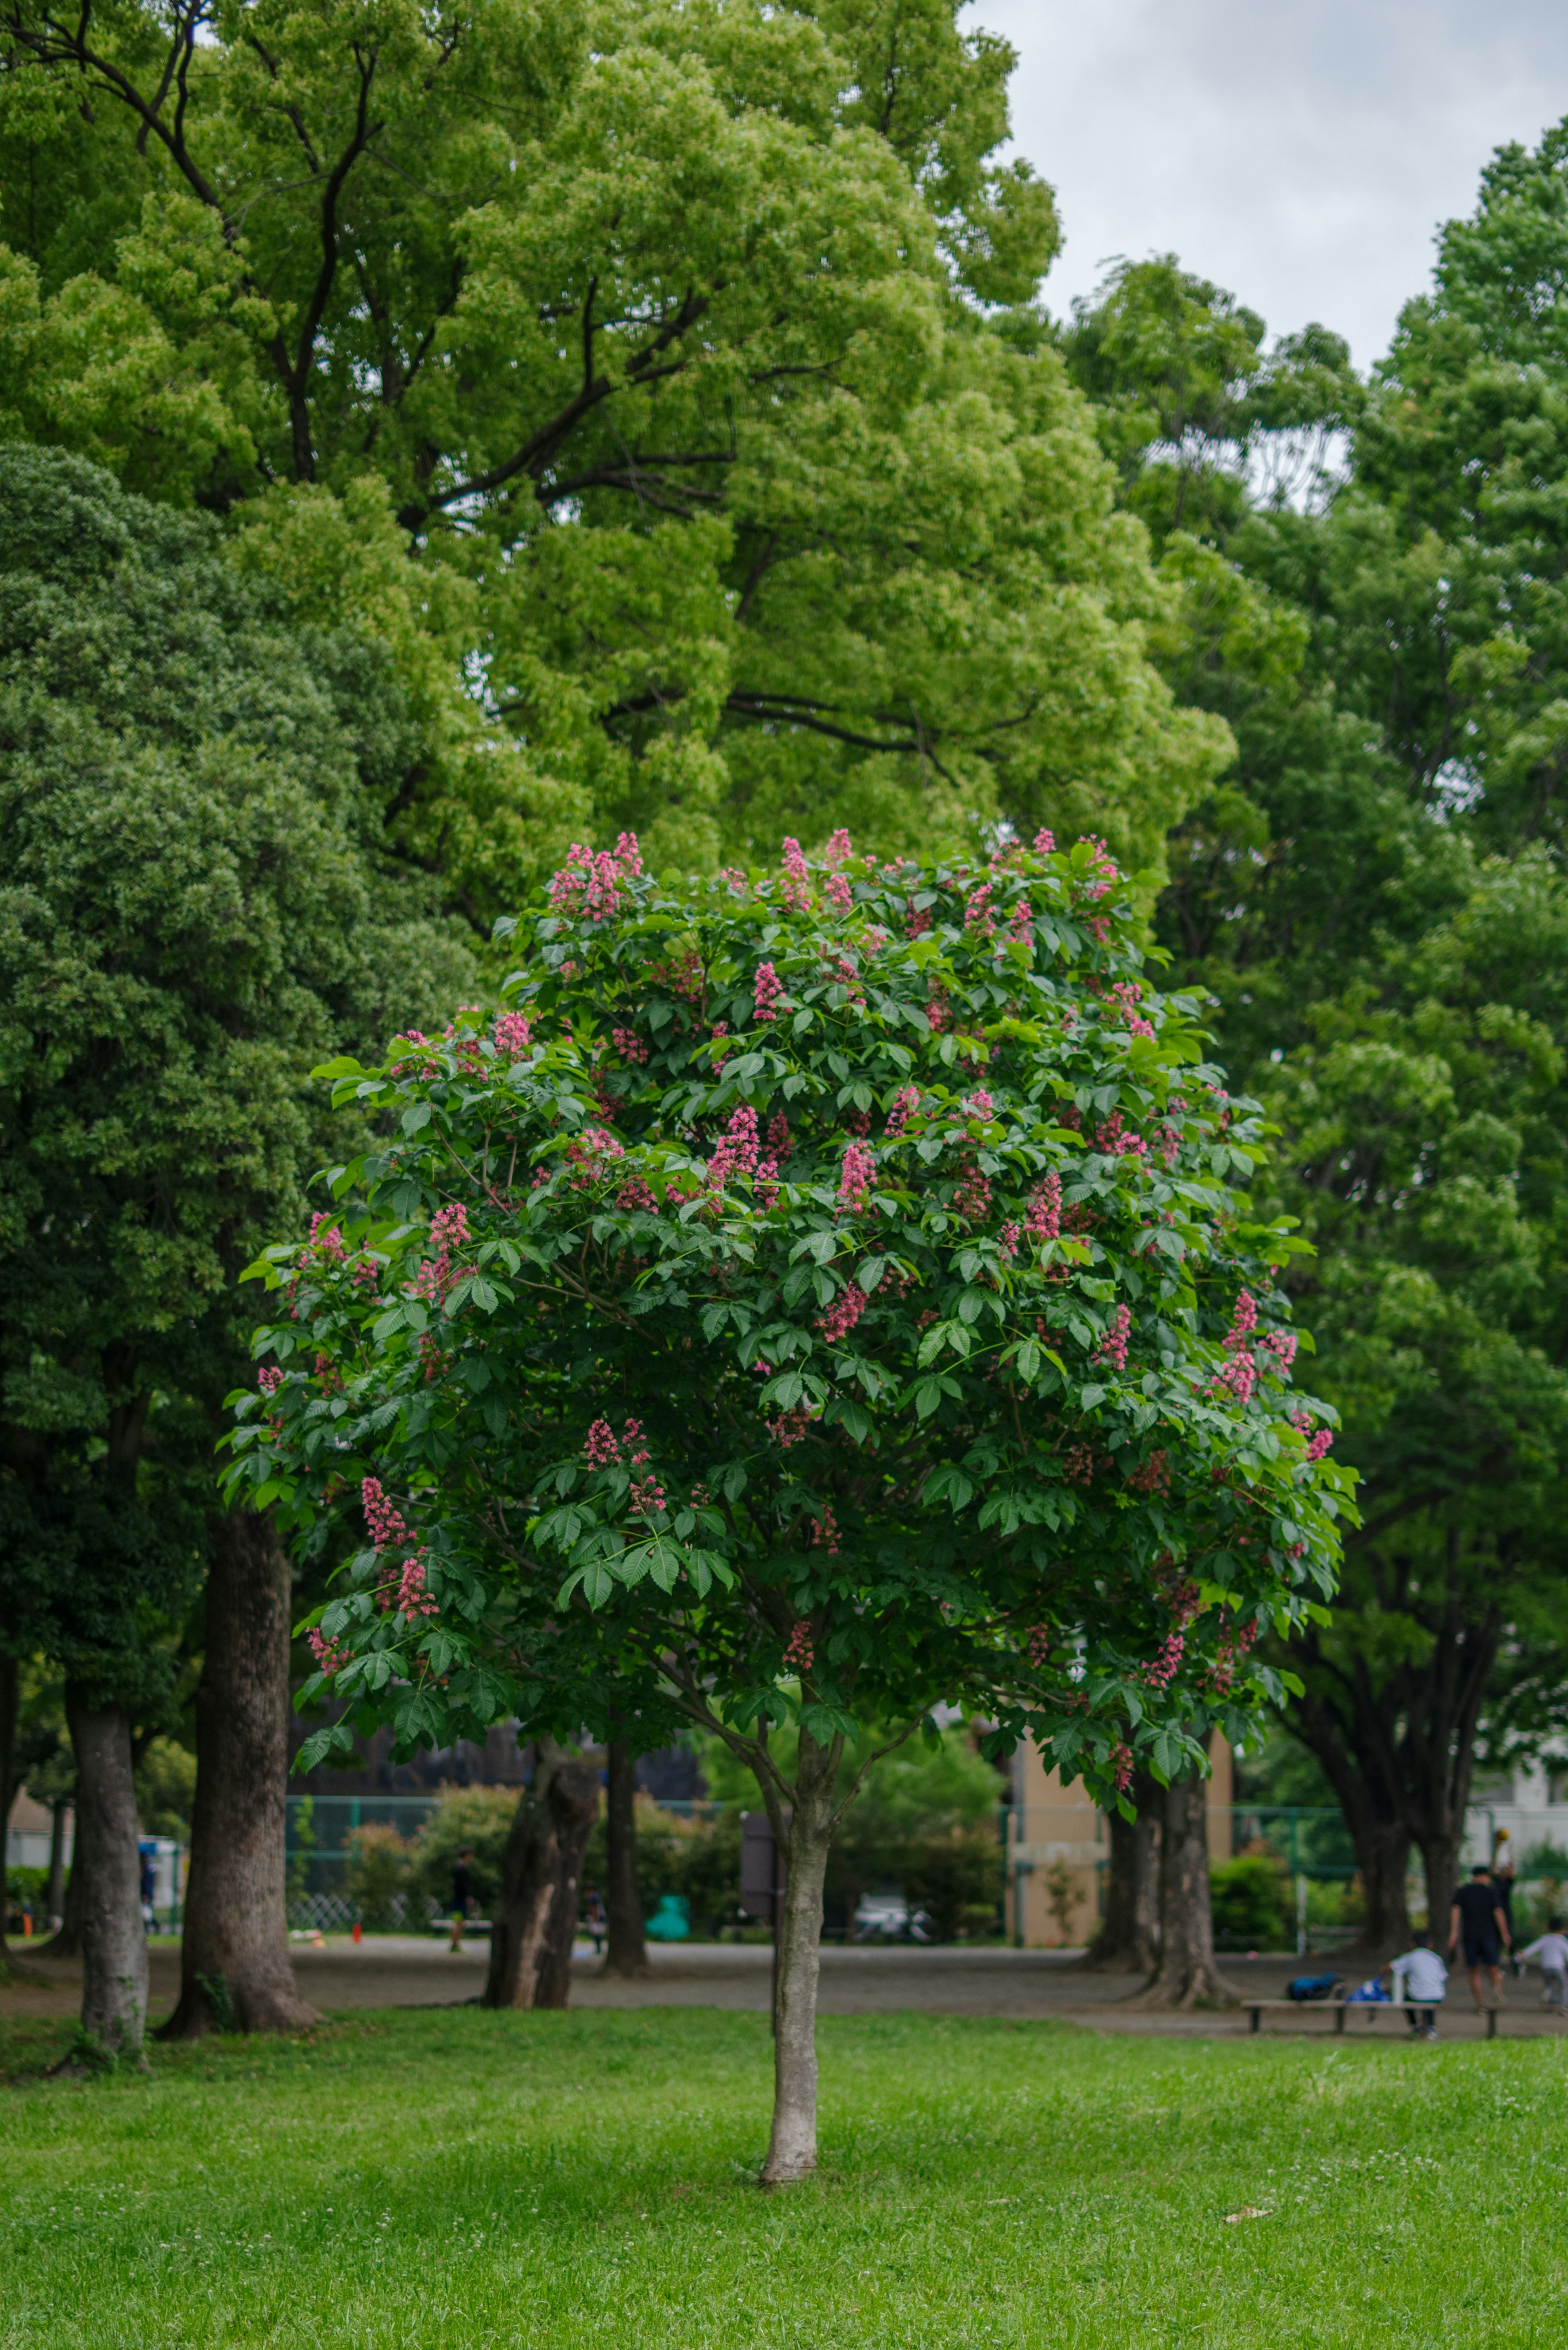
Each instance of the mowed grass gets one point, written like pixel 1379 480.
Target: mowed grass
pixel 468 2181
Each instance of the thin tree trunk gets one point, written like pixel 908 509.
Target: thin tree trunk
pixel 536 1912
pixel 68 1942
pixel 108 1867
pixel 1186 1974
pixel 53 1904
pixel 1128 1940
pixel 235 1968
pixel 1384 1854
pixel 574 1808
pixel 626 1952
pixel 1440 1862
pixel 792 2146
pixel 9 1678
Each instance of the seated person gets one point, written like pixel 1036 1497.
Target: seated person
pixel 1422 1979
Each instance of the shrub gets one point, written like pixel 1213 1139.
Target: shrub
pixel 480 1816
pixel 378 1876
pixel 1251 1902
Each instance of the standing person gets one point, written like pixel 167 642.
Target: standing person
pixel 1552 1950
pixel 1426 1981
pixel 461 1894
pixel 1480 1922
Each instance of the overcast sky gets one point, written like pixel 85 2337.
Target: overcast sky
pixel 1301 153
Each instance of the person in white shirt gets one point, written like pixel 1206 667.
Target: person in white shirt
pixel 1552 1950
pixel 1421 1979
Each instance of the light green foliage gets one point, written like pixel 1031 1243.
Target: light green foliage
pixel 984 2185
pixel 653 334
pixel 166 1789
pixel 1253 1903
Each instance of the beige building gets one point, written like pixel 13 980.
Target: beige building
pixel 1058 1844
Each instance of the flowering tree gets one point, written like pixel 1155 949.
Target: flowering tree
pixel 817 1299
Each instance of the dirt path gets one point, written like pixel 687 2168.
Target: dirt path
pixel 402 1970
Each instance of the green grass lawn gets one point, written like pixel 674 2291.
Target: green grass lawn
pixel 455 2179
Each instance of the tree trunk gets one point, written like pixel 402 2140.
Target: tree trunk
pixel 1187 1975
pixel 1441 1864
pixel 792 2146
pixel 66 1943
pixel 235 1968
pixel 1383 1851
pixel 107 1867
pixel 627 1953
pixel 9 1677
pixel 1128 1939
pixel 536 1915
pixel 55 1900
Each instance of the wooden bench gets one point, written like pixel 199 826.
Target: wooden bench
pixel 1342 2007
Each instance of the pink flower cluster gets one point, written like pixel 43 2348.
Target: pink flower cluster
pixel 1121 1764
pixel 844 1313
pixel 768 989
pixel 791 1426
pixel 855 1179
pixel 589 1155
pixel 1044 1222
pixel 1116 1138
pixel 1153 1476
pixel 721 1036
pixel 635 1193
pixel 826 1531
pixel 1319 1444
pixel 1241 1373
pixel 1022 926
pixel 600 1446
pixel 1100 866
pixel 1232 1648
pixel 513 1035
pixel 840 892
pixel 972 1198
pixel 919 919
pixel 1045 842
pixel 906 1101
pixel 1162 1671
pixel 737 1153
pixel 412 1598
pixel 1282 1345
pixel 798 876
pixel 269 1378
pixel 800 1651
pixel 326 1246
pixel 976 913
pixel 438 1274
pixel 328 1656
pixel 628 1044
pixel 1113 1346
pixel 979 1105
pixel 1039 1644
pixel 592 885
pixel 387 1531
pixel 839 849
pixel 1007 1240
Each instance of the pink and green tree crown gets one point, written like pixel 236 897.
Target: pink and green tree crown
pixel 818 1295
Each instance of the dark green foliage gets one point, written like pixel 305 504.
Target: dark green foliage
pixel 1252 1904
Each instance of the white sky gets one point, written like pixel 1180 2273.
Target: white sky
pixel 1299 152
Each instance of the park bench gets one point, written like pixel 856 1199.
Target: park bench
pixel 1342 2007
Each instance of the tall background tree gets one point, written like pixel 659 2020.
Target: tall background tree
pixel 196 903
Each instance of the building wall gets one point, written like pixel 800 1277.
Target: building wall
pixel 27 1834
pixel 1057 1828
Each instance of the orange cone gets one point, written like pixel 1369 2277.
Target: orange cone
pixel 358 1931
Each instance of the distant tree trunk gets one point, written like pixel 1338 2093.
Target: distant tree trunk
pixel 1128 1939
pixel 1441 1861
pixel 56 1898
pixel 107 1866
pixel 1187 1975
pixel 536 1915
pixel 66 1943
pixel 627 1952
pixel 235 1969
pixel 1363 1771
pixel 791 2144
pixel 1382 1853
pixel 9 1678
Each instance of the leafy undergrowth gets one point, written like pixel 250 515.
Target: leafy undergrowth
pixel 451 2179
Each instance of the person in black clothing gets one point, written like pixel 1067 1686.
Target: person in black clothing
pixel 1480 1922
pixel 461 1894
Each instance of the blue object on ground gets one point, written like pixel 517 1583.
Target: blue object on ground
pixel 1310 1987
pixel 672 1922
pixel 1371 1994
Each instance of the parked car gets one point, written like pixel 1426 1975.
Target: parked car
pixel 888 1917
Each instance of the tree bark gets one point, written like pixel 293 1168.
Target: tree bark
pixel 791 2144
pixel 536 1914
pixel 1127 1941
pixel 1383 1852
pixel 68 1942
pixel 1441 1866
pixel 54 1899
pixel 9 1678
pixel 1187 1975
pixel 108 1867
pixel 626 1952
pixel 235 1968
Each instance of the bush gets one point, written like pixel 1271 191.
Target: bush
pixel 480 1816
pixel 166 1789
pixel 1252 1903
pixel 378 1877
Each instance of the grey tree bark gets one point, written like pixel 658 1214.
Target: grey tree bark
pixel 792 2144
pixel 626 1952
pixel 107 1866
pixel 54 1905
pixel 1127 1941
pixel 1187 1975
pixel 536 1915
pixel 235 1968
